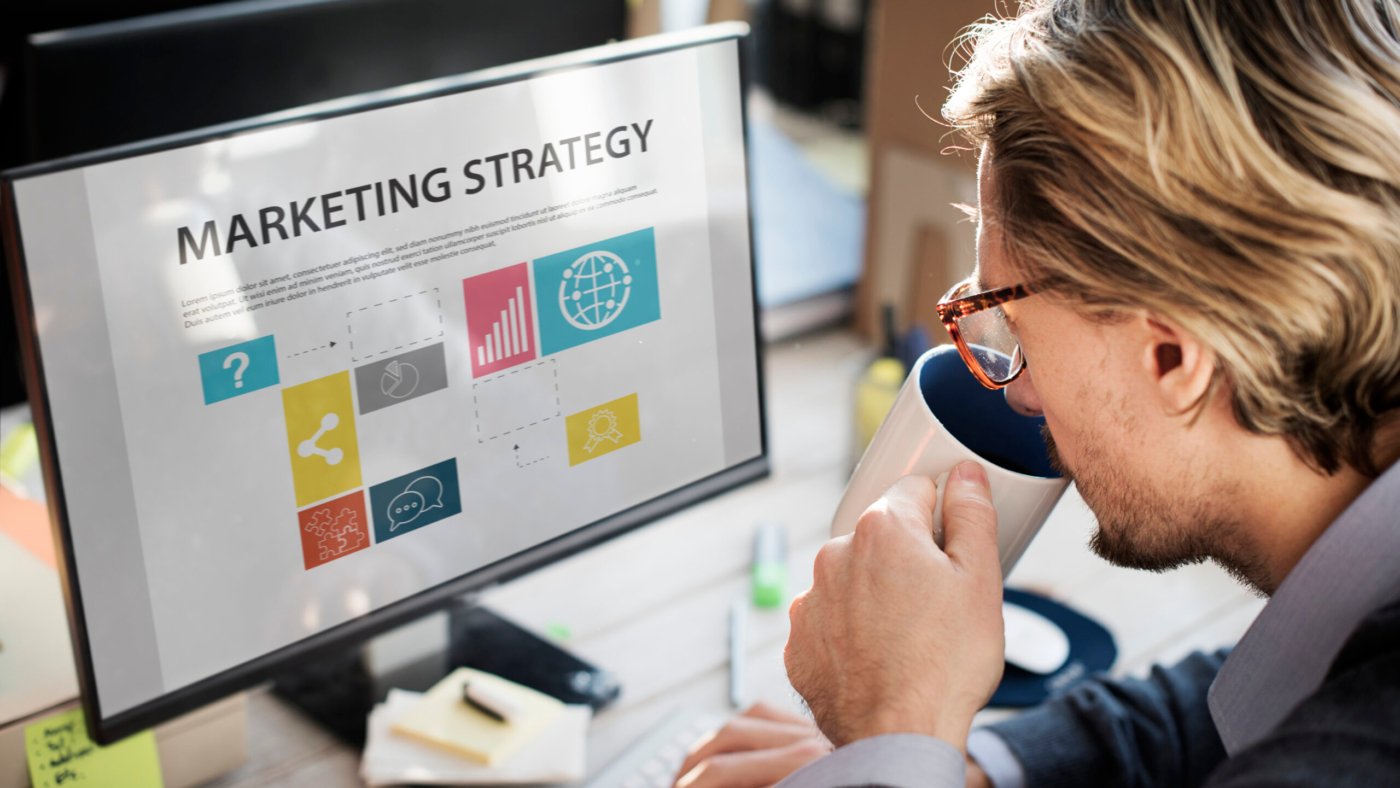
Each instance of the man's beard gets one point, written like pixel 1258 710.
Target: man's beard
pixel 1140 528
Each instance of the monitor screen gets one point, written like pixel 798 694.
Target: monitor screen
pixel 304 380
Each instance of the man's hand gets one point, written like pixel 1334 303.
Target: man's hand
pixel 759 747
pixel 896 635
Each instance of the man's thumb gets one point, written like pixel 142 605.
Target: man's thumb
pixel 969 521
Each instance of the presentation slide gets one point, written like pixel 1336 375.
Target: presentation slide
pixel 357 357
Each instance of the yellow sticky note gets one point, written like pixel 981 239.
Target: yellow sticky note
pixel 321 438
pixel 443 719
pixel 61 754
pixel 18 452
pixel 602 429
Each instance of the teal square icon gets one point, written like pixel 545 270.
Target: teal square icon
pixel 590 292
pixel 238 369
pixel 414 500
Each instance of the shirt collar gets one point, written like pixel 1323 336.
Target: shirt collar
pixel 1349 572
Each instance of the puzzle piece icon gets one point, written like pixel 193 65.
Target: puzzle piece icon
pixel 333 529
pixel 336 536
pixel 320 523
pixel 347 531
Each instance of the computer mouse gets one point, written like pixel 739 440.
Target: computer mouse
pixel 1033 642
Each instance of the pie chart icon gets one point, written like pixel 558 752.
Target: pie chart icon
pixel 400 379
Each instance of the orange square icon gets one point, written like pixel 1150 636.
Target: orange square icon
pixel 333 529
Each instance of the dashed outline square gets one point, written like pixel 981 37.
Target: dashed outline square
pixel 476 405
pixel 350 327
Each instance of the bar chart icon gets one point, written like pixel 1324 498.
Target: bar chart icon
pixel 500 324
pixel 508 337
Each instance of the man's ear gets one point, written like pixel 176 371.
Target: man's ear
pixel 1180 365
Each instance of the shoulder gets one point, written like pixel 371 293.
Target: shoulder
pixel 1376 639
pixel 1345 733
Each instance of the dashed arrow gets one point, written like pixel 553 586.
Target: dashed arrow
pixel 527 463
pixel 312 350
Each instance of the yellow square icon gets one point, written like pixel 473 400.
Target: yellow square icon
pixel 321 438
pixel 602 429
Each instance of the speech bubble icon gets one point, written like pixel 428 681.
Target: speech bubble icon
pixel 405 508
pixel 430 487
pixel 422 494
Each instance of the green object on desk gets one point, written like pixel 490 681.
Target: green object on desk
pixel 61 754
pixel 769 585
pixel 769 571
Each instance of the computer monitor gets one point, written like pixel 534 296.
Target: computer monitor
pixel 304 379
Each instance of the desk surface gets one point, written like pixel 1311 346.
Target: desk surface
pixel 657 600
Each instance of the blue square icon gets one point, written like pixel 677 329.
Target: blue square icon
pixel 238 369
pixel 598 290
pixel 414 500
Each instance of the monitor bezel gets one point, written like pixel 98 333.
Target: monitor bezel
pixel 106 729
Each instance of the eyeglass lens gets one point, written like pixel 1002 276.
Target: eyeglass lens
pixel 989 337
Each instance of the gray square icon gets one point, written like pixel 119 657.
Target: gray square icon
pixel 401 378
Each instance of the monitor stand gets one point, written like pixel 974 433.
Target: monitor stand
pixel 338 690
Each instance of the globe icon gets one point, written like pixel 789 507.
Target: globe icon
pixel 594 290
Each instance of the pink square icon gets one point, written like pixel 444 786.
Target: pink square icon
pixel 500 325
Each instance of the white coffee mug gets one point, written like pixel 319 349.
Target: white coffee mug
pixel 941 417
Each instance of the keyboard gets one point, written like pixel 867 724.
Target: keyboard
pixel 652 760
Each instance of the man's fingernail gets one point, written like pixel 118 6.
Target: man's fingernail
pixel 971 473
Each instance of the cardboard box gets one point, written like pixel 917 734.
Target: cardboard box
pixel 914 180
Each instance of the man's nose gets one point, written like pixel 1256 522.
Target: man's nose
pixel 1022 396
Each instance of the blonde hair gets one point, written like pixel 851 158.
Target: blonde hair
pixel 1232 166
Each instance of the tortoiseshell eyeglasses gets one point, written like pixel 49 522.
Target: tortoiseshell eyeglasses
pixel 979 328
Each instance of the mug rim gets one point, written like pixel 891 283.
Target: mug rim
pixel 916 379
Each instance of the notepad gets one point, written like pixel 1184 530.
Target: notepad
pixel 557 754
pixel 442 719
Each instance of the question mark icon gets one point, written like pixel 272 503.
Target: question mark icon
pixel 242 359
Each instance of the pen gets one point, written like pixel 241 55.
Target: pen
pixel 738 618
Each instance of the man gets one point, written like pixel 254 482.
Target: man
pixel 1200 202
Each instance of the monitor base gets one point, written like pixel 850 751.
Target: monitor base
pixel 339 690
